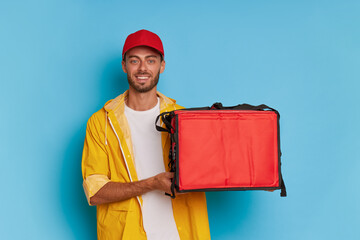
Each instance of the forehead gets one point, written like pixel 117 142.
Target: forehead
pixel 142 51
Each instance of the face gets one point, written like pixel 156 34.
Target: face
pixel 143 66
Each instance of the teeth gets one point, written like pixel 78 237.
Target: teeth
pixel 142 77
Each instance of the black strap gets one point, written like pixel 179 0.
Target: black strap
pixel 172 195
pixel 244 106
pixel 196 108
pixel 283 188
pixel 172 169
pixel 165 121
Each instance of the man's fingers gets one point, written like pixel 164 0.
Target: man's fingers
pixel 163 181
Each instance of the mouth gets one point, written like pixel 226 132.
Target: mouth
pixel 142 78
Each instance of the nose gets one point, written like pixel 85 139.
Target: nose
pixel 142 66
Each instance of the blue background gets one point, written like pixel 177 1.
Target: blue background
pixel 60 61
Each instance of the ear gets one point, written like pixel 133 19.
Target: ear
pixel 162 66
pixel 123 64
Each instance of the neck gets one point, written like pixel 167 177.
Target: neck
pixel 141 101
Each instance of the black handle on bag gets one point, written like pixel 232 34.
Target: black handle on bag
pixel 244 106
pixel 165 118
pixel 172 195
pixel 165 121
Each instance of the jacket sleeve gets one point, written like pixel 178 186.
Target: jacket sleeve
pixel 95 164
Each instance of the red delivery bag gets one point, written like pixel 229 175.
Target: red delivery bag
pixel 224 148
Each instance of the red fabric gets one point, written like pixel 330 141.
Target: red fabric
pixel 227 149
pixel 143 38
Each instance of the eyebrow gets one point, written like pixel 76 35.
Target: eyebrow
pixel 149 56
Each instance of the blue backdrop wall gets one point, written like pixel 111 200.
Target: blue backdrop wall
pixel 60 61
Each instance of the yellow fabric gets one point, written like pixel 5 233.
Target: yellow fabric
pixel 93 183
pixel 123 220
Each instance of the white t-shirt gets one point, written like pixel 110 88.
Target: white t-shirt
pixel 158 218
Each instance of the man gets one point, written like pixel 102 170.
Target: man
pixel 125 160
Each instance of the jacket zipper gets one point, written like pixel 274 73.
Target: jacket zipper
pixel 122 152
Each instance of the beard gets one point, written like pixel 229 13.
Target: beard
pixel 143 88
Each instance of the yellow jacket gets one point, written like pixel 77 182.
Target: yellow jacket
pixel 108 156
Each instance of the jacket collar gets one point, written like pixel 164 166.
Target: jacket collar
pixel 118 104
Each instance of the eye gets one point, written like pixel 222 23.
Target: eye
pixel 151 61
pixel 134 61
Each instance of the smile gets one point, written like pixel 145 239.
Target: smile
pixel 142 78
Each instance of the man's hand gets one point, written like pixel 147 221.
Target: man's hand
pixel 116 191
pixel 162 181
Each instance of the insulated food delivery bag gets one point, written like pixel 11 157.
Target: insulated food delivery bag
pixel 224 148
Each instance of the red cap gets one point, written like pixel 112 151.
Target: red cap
pixel 143 38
